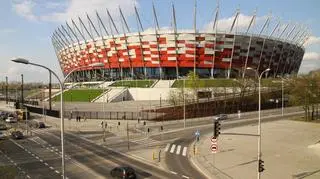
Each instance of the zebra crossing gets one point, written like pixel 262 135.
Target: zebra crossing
pixel 176 149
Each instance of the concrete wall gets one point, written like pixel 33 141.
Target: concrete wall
pixel 138 94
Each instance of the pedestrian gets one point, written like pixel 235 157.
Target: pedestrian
pixel 101 124
pixel 105 125
pixel 79 118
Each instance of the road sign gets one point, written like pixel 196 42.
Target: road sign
pixel 214 148
pixel 213 139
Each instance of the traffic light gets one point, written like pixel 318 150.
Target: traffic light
pixel 261 165
pixel 216 129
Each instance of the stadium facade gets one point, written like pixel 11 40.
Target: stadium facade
pixel 171 54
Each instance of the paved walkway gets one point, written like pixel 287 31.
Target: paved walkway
pixel 290 149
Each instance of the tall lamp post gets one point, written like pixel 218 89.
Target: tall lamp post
pixel 259 118
pixel 61 84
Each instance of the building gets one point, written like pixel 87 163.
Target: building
pixel 171 54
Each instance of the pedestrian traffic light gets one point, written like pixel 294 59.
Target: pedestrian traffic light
pixel 261 165
pixel 216 129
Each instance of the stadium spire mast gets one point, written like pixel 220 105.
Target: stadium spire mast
pixel 289 34
pixel 139 25
pixel 195 36
pixel 215 27
pixel 156 28
pixel 104 27
pixel 266 24
pixel 124 20
pixel 175 35
pixel 283 31
pixel 250 41
pixel 235 19
pixel 114 25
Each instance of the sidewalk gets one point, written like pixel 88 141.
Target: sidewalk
pixel 290 149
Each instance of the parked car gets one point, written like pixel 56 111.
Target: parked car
pixel 123 172
pixel 2 135
pixel 11 119
pixel 221 117
pixel 17 134
pixel 3 127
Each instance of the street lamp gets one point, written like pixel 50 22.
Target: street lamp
pixel 259 112
pixel 61 84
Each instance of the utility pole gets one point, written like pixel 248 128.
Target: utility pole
pixel 6 90
pixel 50 86
pixel 22 90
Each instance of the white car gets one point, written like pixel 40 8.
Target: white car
pixel 11 119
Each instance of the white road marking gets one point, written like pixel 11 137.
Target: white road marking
pixel 172 148
pixel 15 164
pixel 183 176
pixel 46 164
pixel 29 152
pixel 184 152
pixel 178 149
pixel 48 148
pixel 28 176
pixel 41 160
pixel 11 161
pixel 37 157
pixel 167 147
pixel 57 171
pixel 173 172
pixel 51 168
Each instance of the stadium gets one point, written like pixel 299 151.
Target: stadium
pixel 173 53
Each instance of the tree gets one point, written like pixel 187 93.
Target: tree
pixel 305 91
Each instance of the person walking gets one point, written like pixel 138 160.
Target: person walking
pixel 101 124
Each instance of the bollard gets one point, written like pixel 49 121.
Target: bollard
pixel 194 149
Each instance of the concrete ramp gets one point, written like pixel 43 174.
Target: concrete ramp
pixel 164 84
pixel 112 95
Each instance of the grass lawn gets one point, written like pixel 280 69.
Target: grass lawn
pixel 79 95
pixel 134 83
pixel 221 82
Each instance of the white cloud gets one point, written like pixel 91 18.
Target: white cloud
pixel 311 61
pixel 25 9
pixel 311 56
pixel 242 23
pixel 71 9
pixel 313 40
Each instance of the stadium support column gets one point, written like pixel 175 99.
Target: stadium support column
pixel 140 28
pixel 264 40
pixel 175 38
pixel 234 38
pixel 249 46
pixel 103 41
pixel 215 27
pixel 126 41
pixel 114 40
pixel 156 28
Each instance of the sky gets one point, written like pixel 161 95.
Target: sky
pixel 26 26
